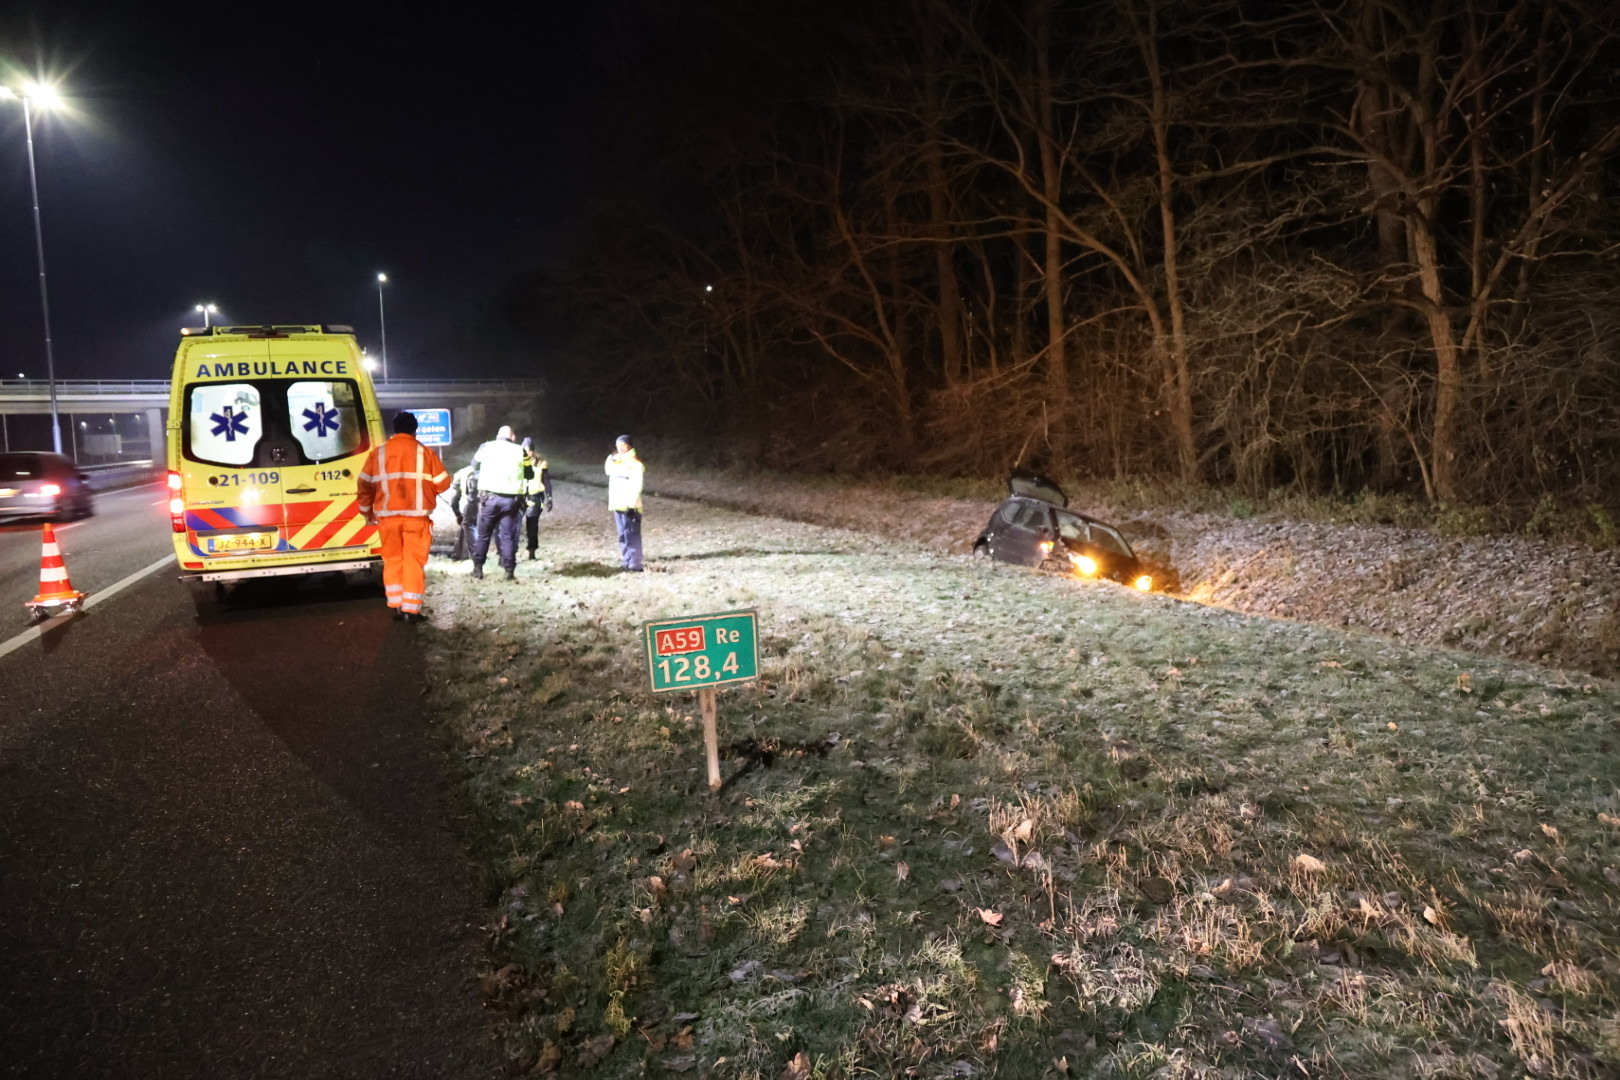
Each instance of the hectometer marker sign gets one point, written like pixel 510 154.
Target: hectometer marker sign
pixel 702 651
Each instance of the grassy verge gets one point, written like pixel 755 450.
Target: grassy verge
pixel 983 822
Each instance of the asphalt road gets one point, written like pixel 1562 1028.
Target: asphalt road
pixel 224 845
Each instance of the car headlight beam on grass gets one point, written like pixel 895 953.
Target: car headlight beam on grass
pixel 1085 564
pixel 1145 583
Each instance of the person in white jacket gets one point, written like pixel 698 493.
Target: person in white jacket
pixel 625 471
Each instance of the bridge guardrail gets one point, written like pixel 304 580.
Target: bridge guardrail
pixel 30 387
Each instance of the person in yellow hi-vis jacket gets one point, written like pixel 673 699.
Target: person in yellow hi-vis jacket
pixel 536 496
pixel 399 485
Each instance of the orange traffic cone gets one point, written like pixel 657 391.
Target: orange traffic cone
pixel 55 590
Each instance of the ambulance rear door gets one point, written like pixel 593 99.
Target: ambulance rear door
pixel 328 418
pixel 234 450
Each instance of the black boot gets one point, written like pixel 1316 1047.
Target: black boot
pixel 478 571
pixel 511 575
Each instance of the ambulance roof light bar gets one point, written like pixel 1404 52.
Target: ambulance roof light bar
pixel 265 331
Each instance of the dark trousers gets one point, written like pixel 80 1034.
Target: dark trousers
pixel 531 527
pixel 628 523
pixel 498 518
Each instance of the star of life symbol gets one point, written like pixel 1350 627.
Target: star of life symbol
pixel 229 424
pixel 320 418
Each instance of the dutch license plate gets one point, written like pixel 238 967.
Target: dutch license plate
pixel 259 541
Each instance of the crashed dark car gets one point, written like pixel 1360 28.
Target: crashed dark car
pixel 1034 527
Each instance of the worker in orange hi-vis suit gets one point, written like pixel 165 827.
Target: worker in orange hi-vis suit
pixel 399 486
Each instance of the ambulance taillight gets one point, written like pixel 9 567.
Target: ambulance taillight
pixel 177 504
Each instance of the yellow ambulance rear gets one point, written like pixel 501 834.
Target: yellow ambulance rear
pixel 269 427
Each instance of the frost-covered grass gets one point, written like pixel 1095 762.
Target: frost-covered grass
pixel 977 821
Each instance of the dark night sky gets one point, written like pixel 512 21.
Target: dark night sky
pixel 273 156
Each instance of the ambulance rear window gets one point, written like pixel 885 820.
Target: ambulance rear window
pixel 327 420
pixel 264 422
pixel 224 423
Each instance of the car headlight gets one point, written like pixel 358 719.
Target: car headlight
pixel 1085 564
pixel 1145 583
pixel 1046 548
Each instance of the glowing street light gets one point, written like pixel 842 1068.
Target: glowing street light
pixel 207 310
pixel 382 322
pixel 45 97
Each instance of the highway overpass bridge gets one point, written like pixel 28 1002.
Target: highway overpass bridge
pixel 107 420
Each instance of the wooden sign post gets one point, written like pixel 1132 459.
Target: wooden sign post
pixel 711 733
pixel 701 652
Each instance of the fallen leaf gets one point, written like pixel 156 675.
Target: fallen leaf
pixel 550 1058
pixel 902 870
pixel 767 861
pixel 572 804
pixel 1393 726
pixel 956 800
pixel 686 861
pixel 595 1050
pixel 1025 830
pixel 990 917
pixel 1549 831
pixel 887 841
pixel 1609 819
pixel 798 1068
pixel 656 884
pixel 1309 864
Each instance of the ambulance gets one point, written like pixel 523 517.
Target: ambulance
pixel 269 427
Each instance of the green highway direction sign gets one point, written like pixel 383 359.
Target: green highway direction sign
pixel 701 651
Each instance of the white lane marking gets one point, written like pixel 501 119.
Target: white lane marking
pixel 34 632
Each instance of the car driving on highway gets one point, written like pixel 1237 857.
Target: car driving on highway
pixel 1034 527
pixel 37 483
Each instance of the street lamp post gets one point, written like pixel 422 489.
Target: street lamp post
pixel 382 322
pixel 46 96
pixel 207 310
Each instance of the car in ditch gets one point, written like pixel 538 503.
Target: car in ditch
pixel 1034 527
pixel 40 484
